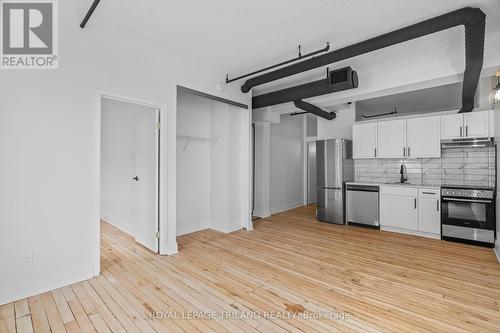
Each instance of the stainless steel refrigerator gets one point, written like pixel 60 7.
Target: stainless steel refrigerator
pixel 334 167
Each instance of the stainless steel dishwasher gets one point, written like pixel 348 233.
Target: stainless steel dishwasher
pixel 363 205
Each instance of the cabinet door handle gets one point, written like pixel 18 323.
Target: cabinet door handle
pixel 415 203
pixel 437 205
pixel 375 152
pixel 428 193
pixel 408 151
pixel 466 131
pixel 404 152
pixel 460 131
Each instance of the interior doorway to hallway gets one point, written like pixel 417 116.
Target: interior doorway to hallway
pixel 130 169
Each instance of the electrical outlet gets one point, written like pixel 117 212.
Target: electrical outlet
pixel 28 259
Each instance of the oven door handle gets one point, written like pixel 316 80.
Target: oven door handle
pixel 467 200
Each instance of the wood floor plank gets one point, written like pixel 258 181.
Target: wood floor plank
pixel 63 307
pixel 7 318
pixel 38 316
pixel 78 311
pixel 53 316
pixel 290 266
pixel 21 308
pixel 24 324
pixel 99 323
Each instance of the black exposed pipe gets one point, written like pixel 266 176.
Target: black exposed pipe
pixel 338 80
pixel 300 57
pixel 89 13
pixel 473 19
pixel 309 108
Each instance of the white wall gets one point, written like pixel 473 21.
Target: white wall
pixel 226 168
pixel 340 127
pixel 118 161
pixel 193 164
pixel 287 164
pixel 49 143
pixel 211 190
pixel 262 189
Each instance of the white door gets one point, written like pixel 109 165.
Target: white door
pixel 145 179
pixel 424 137
pixel 429 211
pixel 364 140
pixel 392 139
pixel 399 212
pixel 476 124
pixel 452 126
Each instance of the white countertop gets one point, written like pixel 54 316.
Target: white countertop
pixel 394 185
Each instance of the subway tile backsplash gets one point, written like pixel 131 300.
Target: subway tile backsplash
pixel 457 166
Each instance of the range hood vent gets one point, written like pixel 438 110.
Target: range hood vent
pixel 468 142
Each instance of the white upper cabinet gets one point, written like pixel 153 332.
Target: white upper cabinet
pixel 466 125
pixel 424 137
pixel 476 124
pixel 392 139
pixel 452 126
pixel 418 137
pixel 364 140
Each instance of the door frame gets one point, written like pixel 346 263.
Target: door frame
pixel 161 205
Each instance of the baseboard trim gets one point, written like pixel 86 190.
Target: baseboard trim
pixel 171 250
pixel 183 230
pixel 261 214
pixel 410 232
pixel 496 249
pixel 285 207
pixel 225 228
pixel 118 223
pixel 24 289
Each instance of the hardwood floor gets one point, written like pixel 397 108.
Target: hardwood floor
pixel 382 282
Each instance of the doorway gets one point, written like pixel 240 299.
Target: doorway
pixel 130 169
pixel 213 163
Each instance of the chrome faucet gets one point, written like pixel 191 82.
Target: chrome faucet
pixel 404 174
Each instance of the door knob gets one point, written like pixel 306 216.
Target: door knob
pixel 136 178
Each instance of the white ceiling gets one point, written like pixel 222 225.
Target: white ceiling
pixel 238 36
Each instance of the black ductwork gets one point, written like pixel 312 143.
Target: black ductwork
pixel 338 80
pixel 89 13
pixel 473 19
pixel 309 108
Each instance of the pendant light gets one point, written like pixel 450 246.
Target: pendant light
pixel 495 94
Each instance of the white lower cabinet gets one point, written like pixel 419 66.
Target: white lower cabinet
pixel 410 210
pixel 398 207
pixel 429 211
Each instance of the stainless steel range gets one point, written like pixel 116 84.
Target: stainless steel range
pixel 468 214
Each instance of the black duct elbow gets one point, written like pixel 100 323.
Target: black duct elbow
pixel 473 19
pixel 309 108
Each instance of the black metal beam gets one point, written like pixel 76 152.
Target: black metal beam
pixel 309 108
pixel 300 57
pixel 89 13
pixel 338 80
pixel 473 19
